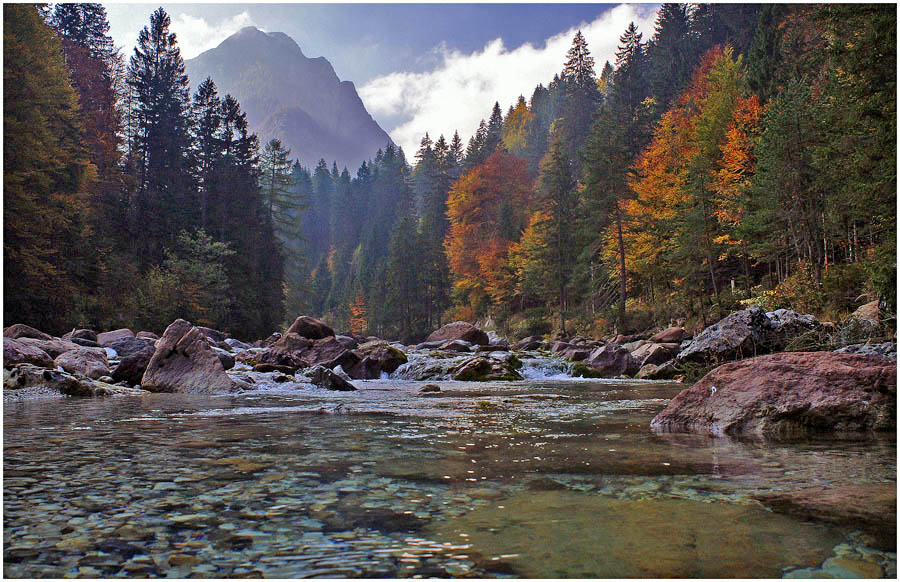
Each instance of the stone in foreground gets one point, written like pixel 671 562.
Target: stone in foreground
pixel 460 330
pixel 16 352
pixel 184 362
pixel 786 394
pixel 90 362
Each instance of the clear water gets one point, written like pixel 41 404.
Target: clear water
pixel 542 478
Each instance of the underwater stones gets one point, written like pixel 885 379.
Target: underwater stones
pixel 871 507
pixel 430 389
pixel 329 380
pixel 787 393
pixel 459 330
pixel 184 362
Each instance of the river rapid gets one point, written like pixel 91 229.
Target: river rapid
pixel 547 477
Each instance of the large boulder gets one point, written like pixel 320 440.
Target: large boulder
pixel 82 334
pixel 54 347
pixel 132 366
pixel 670 335
pixel 377 357
pixel 531 342
pixel 329 380
pixel 740 335
pixel 89 362
pixel 329 352
pixel 788 393
pixel 310 328
pixel 654 354
pixel 785 325
pixel 20 330
pixel 108 337
pixel 127 346
pixel 184 362
pixel 610 361
pixel 481 369
pixel 16 352
pixel 460 330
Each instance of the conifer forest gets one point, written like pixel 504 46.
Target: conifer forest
pixel 734 155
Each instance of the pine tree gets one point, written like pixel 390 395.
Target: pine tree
pixel 581 94
pixel 208 147
pixel 165 201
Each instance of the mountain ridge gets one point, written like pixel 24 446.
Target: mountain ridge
pixel 292 97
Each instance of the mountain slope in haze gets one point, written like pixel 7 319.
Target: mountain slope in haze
pixel 291 97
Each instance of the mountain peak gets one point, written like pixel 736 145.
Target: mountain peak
pixel 289 96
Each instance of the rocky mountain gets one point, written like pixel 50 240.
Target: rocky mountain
pixel 289 96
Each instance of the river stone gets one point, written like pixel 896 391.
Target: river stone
pixel 310 328
pixel 54 347
pixel 654 353
pixel 131 367
pixel 460 330
pixel 237 344
pixel 108 337
pixel 788 393
pixel 20 330
pixel 147 335
pixel 456 346
pixel 741 334
pixel 481 369
pixel 84 343
pixel 328 379
pixel 887 350
pixel 430 388
pixel 389 357
pixel 184 362
pixel 90 362
pixel 665 371
pixel 130 345
pixel 226 359
pixel 26 375
pixel 670 335
pixel 16 352
pixel 612 360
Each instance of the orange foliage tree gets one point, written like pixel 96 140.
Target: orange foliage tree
pixel 487 209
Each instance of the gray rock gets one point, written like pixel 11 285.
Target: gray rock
pixel 785 325
pixel 654 353
pixel 147 335
pixel 886 350
pixel 481 369
pixel 669 335
pixel 456 346
pixel 26 375
pixel 329 380
pixel 665 371
pixel 131 368
pixel 632 346
pixel 108 337
pixel 237 344
pixel 740 335
pixel 184 362
pixel 130 345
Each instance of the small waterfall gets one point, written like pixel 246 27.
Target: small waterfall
pixel 543 368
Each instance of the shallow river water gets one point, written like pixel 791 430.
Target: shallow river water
pixel 553 478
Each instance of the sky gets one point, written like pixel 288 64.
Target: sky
pixel 417 67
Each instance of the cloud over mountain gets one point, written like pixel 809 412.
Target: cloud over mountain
pixel 461 90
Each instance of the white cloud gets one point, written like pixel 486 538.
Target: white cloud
pixel 196 35
pixel 462 89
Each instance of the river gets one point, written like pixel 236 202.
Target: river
pixel 553 477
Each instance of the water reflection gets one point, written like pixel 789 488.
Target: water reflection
pixel 293 482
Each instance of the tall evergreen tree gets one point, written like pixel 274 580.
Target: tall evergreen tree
pixel 165 201
pixel 581 94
